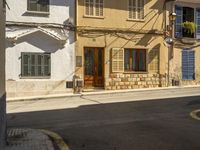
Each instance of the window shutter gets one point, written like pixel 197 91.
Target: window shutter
pixel 154 60
pixel 91 7
pixel 140 9
pixel 47 64
pixel 198 23
pixel 117 60
pixel 25 64
pixel 188 65
pixel 179 20
pixel 87 7
pixel 132 9
pixel 101 8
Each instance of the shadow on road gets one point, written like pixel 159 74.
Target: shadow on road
pixel 140 125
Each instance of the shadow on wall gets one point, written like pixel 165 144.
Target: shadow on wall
pixel 159 4
pixel 41 41
pixel 153 55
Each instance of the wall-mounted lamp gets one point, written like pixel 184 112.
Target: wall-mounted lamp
pixel 172 17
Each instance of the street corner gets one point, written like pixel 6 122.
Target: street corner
pixel 25 138
pixel 195 114
pixel 57 139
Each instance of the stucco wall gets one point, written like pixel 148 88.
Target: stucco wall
pixel 60 11
pixel 2 78
pixel 110 41
pixel 62 65
pixel 62 56
pixel 116 16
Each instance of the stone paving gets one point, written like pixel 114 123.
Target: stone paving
pixel 28 139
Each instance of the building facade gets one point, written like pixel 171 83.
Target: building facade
pixel 2 76
pixel 185 60
pixel 39 47
pixel 120 44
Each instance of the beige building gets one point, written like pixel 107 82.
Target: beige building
pixel 2 76
pixel 185 60
pixel 120 44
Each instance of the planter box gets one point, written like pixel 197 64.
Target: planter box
pixel 190 41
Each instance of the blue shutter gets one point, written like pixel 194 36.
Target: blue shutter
pixel 191 65
pixel 179 20
pixel 188 65
pixel 198 23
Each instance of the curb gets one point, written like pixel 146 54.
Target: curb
pixel 57 139
pixel 105 92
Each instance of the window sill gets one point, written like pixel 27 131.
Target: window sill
pixel 136 20
pixel 45 77
pixel 187 40
pixel 134 72
pixel 38 12
pixel 94 17
pixel 188 80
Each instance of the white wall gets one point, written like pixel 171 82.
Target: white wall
pixel 62 56
pixel 60 11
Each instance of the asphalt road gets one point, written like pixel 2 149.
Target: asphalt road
pixel 134 125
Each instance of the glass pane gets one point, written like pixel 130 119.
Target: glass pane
pixel 89 62
pixel 134 60
pixel 126 59
pixel 142 63
pixel 100 62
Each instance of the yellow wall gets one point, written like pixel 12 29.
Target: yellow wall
pixel 116 18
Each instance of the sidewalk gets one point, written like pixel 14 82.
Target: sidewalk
pixel 96 92
pixel 28 139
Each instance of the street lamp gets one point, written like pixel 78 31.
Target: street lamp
pixel 169 40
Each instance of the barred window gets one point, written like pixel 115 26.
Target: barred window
pixel 136 9
pixel 38 5
pixel 35 64
pixel 94 8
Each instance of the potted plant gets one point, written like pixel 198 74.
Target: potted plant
pixel 189 29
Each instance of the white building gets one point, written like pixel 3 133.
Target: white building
pixel 40 47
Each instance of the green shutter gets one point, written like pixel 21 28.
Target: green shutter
pixel 47 65
pixel 25 59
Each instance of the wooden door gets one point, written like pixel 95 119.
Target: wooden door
pixel 94 67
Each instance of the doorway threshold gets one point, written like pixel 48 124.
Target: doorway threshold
pixel 93 89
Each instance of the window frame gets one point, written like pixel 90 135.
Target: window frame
pixel 179 8
pixel 136 19
pixel 94 11
pixel 29 65
pixel 138 61
pixel 38 7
